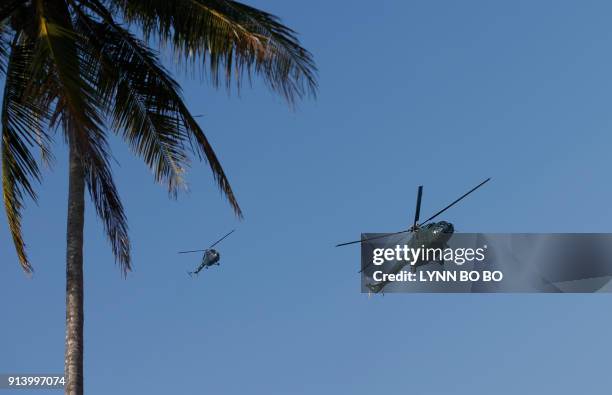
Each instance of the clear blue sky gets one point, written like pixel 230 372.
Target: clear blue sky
pixel 439 93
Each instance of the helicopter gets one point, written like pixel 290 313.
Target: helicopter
pixel 424 235
pixel 209 258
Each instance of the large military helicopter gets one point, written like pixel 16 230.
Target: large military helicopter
pixel 209 258
pixel 424 235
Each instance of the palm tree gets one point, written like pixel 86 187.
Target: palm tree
pixel 85 68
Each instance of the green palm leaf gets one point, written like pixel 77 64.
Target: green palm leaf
pixel 147 105
pixel 233 38
pixel 22 128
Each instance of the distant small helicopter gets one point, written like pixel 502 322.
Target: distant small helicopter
pixel 433 235
pixel 209 258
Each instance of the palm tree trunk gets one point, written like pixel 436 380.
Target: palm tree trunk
pixel 73 362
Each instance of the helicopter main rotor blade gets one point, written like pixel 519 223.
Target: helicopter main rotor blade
pixel 189 252
pixel 374 238
pixel 455 202
pixel 417 212
pixel 213 244
pixel 221 239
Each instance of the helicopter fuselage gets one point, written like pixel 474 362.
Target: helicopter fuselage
pixel 209 258
pixel 434 235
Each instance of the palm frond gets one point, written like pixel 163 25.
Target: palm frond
pixel 142 77
pixel 232 38
pixel 5 47
pixel 138 109
pixel 168 92
pixel 22 120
